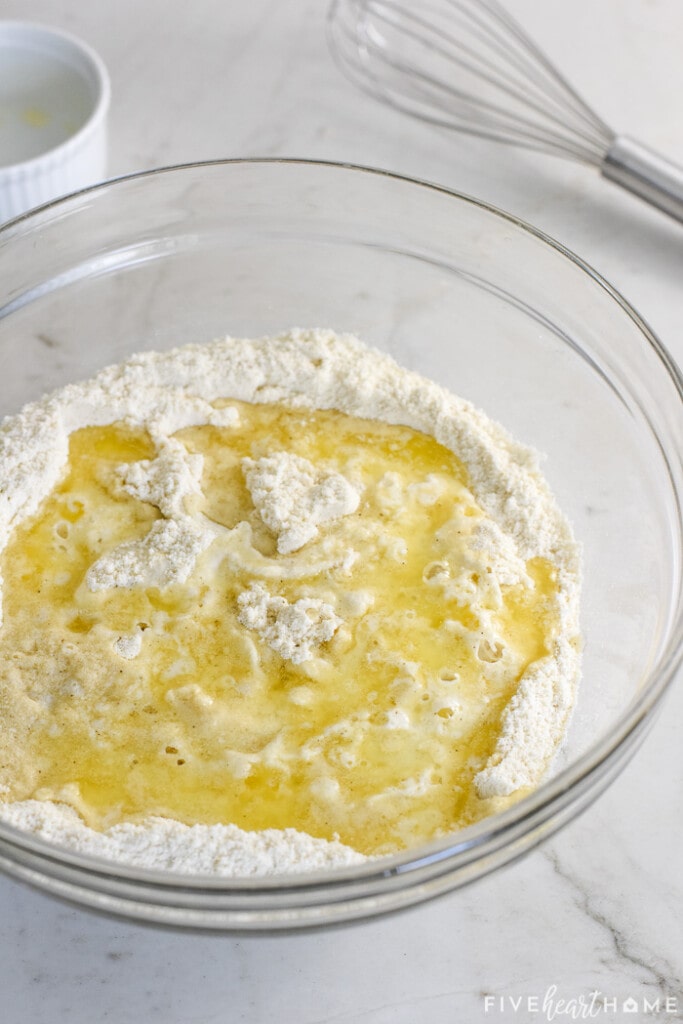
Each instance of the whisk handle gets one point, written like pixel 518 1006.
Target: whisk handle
pixel 647 174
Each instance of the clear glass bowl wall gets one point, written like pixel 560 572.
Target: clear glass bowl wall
pixel 457 291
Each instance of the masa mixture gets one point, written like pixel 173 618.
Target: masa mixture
pixel 274 605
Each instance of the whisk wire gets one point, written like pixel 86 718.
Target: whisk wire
pixel 484 34
pixel 486 70
pixel 554 79
pixel 468 65
pixel 535 73
pixel 431 90
pixel 509 131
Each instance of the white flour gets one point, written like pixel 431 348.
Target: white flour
pixel 166 391
pixel 166 555
pixel 169 552
pixel 293 498
pixel 292 630
pixel 165 845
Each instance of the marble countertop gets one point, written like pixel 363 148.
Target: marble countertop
pixel 600 906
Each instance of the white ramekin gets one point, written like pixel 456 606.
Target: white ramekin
pixel 54 99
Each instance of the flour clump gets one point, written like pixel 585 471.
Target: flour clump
pixel 292 630
pixel 293 499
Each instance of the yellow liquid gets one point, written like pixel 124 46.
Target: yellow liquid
pixel 376 740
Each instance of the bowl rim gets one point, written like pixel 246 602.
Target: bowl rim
pixel 489 834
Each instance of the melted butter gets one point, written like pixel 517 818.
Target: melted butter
pixel 376 740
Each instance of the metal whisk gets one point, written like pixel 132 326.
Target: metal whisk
pixel 468 65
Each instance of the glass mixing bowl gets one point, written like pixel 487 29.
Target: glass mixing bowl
pixel 464 294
